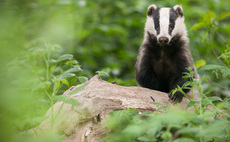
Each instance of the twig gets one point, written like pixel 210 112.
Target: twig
pixel 210 81
pixel 213 49
pixel 225 42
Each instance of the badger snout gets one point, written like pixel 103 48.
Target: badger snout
pixel 163 40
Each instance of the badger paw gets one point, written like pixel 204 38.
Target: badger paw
pixel 177 97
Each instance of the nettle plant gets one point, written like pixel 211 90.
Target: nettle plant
pixel 45 78
pixel 56 75
pixel 211 23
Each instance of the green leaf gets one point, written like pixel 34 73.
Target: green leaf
pixel 184 140
pixel 47 84
pixel 208 100
pixel 200 63
pixel 78 89
pixel 57 83
pixel 65 57
pixel 223 16
pixel 205 102
pixel 52 61
pixel 65 100
pixel 224 70
pixel 156 104
pixel 198 26
pixel 205 35
pixel 67 75
pixel 74 70
pixel 163 108
pixel 167 136
pixel 72 81
pixel 192 103
pixel 209 16
pixel 132 129
pixel 210 67
pixel 144 139
pixel 174 91
pixel 102 74
pixel 186 84
pixel 215 98
pixel 147 113
pixel 82 79
pixel 64 81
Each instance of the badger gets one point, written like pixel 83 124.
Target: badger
pixel 164 55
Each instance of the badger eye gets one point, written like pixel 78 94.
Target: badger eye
pixel 157 26
pixel 171 26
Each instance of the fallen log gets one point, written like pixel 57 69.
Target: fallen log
pixel 96 99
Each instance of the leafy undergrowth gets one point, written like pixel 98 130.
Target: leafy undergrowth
pixel 173 125
pixel 42 77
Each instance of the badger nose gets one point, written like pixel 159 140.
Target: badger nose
pixel 163 40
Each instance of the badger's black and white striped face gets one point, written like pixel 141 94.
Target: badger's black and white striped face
pixel 165 23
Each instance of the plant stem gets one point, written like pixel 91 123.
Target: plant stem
pixel 189 99
pixel 214 52
pixel 217 109
pixel 225 42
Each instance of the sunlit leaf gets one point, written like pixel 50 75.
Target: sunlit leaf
pixel 200 63
pixel 223 16
pixel 209 16
pixel 198 26
pixel 64 81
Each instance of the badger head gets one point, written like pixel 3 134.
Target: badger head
pixel 164 24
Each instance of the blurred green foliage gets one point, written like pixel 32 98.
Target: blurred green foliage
pixel 173 125
pixel 97 36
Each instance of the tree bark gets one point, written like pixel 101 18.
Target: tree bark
pixel 96 99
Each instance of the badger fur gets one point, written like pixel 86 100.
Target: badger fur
pixel 164 55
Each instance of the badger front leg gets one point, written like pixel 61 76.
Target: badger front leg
pixel 177 81
pixel 146 78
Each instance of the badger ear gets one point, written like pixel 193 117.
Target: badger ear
pixel 179 10
pixel 151 9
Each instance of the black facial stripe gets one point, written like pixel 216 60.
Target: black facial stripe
pixel 156 20
pixel 172 18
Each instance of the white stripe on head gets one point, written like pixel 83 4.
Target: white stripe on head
pixel 179 27
pixel 164 23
